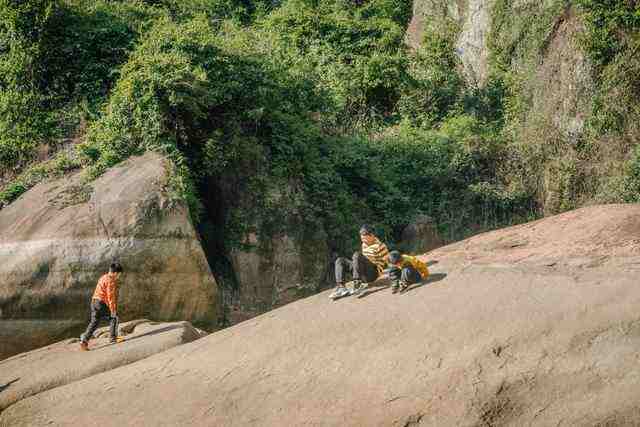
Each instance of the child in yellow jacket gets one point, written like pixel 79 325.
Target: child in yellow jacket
pixel 405 270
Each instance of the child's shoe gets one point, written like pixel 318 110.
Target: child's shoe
pixel 84 346
pixel 362 286
pixel 395 286
pixel 340 292
pixel 403 287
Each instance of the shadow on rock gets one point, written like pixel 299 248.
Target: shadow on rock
pixel 146 334
pixel 7 385
pixel 435 277
pixel 373 290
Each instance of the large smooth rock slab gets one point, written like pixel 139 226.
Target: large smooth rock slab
pixel 31 373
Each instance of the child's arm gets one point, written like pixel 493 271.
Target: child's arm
pixel 112 297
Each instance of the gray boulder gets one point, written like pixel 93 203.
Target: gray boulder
pixel 60 237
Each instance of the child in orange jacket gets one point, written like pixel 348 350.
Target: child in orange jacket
pixel 104 305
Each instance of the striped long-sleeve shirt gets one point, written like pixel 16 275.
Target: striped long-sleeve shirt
pixel 107 291
pixel 376 253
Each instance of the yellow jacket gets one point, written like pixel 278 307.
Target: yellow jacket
pixel 414 262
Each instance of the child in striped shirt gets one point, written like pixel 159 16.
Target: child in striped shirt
pixel 365 266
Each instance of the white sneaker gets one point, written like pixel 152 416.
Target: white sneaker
pixel 340 292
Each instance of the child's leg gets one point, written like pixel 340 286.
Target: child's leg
pixel 394 276
pixel 409 276
pixel 343 268
pixel 363 269
pixel 113 327
pixel 93 323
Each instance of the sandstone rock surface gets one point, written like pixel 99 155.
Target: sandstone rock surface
pixel 59 237
pixel 31 373
pixel 531 325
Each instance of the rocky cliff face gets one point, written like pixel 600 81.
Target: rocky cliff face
pixel 59 237
pixel 277 273
pixel 534 47
pixel 473 20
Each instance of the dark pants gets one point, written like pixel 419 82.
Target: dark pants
pixel 99 311
pixel 359 268
pixel 406 276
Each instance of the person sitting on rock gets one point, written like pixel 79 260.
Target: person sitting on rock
pixel 405 270
pixel 104 305
pixel 364 267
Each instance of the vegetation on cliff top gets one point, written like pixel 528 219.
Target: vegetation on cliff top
pixel 317 110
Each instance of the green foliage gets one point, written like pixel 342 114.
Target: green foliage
pixel 270 102
pixel 631 182
pixel 26 21
pixel 434 89
pixel 608 23
pixel 55 57
pixel 23 126
pixel 398 11
pixel 448 175
pixel 89 44
pixel 193 96
pixel 242 11
pixel 24 26
pixel 612 43
pixel 615 106
pixel 612 40
pixel 355 53
pixel 520 31
pixel 54 168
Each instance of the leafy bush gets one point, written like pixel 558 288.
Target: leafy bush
pixel 434 89
pixel 631 181
pixel 62 163
pixel 242 11
pixel 55 56
pixel 355 53
pixel 608 24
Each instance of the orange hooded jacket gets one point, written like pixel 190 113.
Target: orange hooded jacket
pixel 107 291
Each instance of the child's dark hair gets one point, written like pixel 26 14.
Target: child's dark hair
pixel 115 267
pixel 365 229
pixel 394 257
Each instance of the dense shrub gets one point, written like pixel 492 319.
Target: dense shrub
pixel 24 27
pixel 609 23
pixel 58 61
pixel 433 89
pixel 354 51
